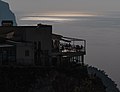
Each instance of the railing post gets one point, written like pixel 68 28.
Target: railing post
pixel 85 46
pixel 82 58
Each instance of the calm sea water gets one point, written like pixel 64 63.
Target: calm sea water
pixel 102 34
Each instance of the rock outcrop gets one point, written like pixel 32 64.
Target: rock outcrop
pixel 6 13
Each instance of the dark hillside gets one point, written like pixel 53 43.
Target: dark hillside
pixel 64 78
pixel 110 85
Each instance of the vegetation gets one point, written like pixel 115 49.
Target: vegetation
pixel 109 84
pixel 70 77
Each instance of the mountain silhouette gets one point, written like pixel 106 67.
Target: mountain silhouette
pixel 6 13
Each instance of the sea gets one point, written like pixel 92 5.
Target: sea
pixel 102 33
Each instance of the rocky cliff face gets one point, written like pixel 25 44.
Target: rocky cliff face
pixel 6 13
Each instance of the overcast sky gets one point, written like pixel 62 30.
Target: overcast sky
pixel 64 5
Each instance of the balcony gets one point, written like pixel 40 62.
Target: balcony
pixel 68 49
pixel 67 45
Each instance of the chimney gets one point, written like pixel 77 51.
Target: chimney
pixel 7 23
pixel 39 24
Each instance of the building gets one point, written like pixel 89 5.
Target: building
pixel 37 45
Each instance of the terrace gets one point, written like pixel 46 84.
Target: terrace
pixel 68 49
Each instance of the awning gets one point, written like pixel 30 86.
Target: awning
pixel 74 39
pixel 56 37
pixel 66 39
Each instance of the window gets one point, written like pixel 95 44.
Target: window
pixel 27 53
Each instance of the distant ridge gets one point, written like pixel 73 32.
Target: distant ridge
pixel 6 13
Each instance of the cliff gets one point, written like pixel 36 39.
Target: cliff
pixel 6 13
pixel 109 84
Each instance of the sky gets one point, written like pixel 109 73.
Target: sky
pixel 62 7
pixel 96 6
